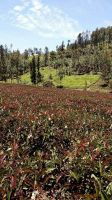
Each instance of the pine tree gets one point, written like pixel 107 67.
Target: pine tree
pixel 3 66
pixel 46 55
pixel 38 74
pixel 33 70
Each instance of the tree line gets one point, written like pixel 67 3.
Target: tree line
pixel 89 53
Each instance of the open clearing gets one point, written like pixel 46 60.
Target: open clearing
pixel 74 81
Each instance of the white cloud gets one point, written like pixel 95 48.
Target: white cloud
pixel 33 15
pixel 18 8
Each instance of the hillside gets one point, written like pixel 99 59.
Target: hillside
pixel 72 66
pixel 73 81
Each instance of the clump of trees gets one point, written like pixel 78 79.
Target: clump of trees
pixel 35 74
pixel 12 63
pixel 89 53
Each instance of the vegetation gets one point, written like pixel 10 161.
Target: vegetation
pixel 89 54
pixel 55 144
pixel 51 75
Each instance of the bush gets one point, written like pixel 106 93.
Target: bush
pixel 50 77
pixel 48 84
pixel 110 84
pixel 60 86
pixel 104 83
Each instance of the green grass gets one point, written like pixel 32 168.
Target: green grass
pixel 74 81
pixel 26 78
pixel 79 81
pixel 46 72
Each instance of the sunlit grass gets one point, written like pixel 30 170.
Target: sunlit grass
pixel 73 81
pixel 79 81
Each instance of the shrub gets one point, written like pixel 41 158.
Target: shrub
pixel 110 84
pixel 48 84
pixel 60 86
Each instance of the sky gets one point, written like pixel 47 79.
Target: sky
pixel 40 23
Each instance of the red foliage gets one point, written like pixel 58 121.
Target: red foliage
pixel 53 140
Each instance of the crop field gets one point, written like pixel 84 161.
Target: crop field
pixel 55 144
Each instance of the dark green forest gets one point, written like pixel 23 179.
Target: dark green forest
pixel 89 53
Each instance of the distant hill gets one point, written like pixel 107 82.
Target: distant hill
pixel 91 53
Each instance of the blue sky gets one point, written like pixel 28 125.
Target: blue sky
pixel 40 23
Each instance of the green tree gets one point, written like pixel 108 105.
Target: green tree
pixel 38 74
pixel 33 70
pixel 46 57
pixel 3 65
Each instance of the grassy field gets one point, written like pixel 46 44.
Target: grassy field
pixel 74 81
